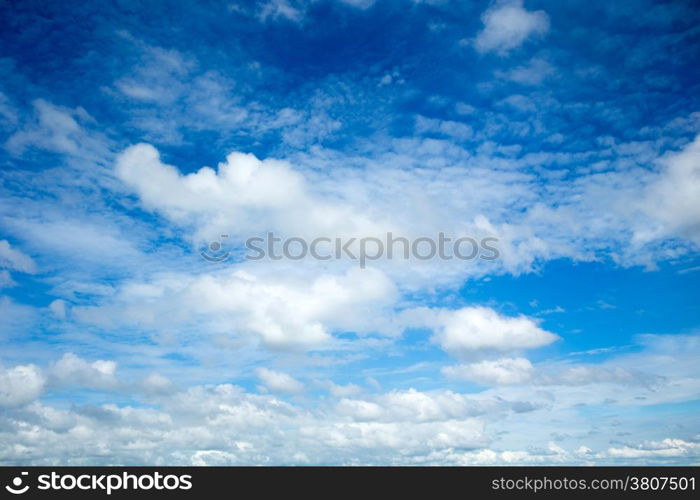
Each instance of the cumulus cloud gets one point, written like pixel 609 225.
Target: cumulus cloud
pixel 156 384
pixel 20 385
pixel 507 24
pixel 242 180
pixel 279 382
pixel 73 370
pixel 412 405
pixel 283 312
pixel 225 424
pixel 241 428
pixel 673 199
pixel 234 198
pixel 245 428
pixel 463 332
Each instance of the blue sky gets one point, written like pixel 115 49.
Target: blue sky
pixel 134 134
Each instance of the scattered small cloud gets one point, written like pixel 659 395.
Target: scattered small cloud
pixel 507 25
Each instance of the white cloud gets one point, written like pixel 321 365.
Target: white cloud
pixel 507 25
pixel 667 448
pixel 514 371
pixel 213 458
pixel 519 102
pixel 224 424
pixel 279 382
pixel 156 384
pixel 295 10
pixel 286 9
pixel 97 242
pixel 158 78
pixel 284 312
pixel 412 405
pixel 168 92
pixel 469 330
pixel 342 391
pixel 20 385
pixel 497 372
pixel 58 129
pixel 206 425
pixel 72 370
pixel 673 198
pixel 594 374
pixel 457 130
pixel 236 197
pixel 15 259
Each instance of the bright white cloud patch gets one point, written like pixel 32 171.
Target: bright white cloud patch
pixel 477 328
pixel 284 312
pixel 469 330
pixel 20 385
pixel 507 24
pixel 279 382
pixel 241 196
pixel 674 199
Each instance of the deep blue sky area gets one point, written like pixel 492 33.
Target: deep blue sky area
pixel 635 64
